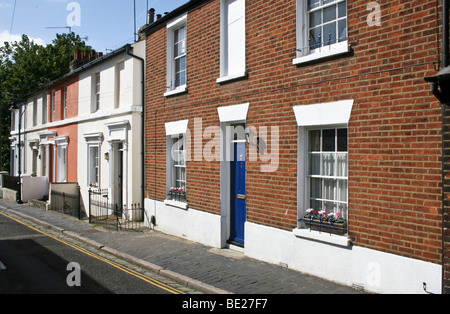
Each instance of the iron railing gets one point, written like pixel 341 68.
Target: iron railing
pixel 113 216
pixel 322 225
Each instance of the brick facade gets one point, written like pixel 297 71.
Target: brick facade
pixel 395 130
pixel 446 194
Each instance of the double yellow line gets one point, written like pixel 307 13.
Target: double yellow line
pixel 100 258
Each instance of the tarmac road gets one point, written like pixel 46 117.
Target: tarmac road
pixel 36 262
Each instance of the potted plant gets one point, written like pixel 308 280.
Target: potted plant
pixel 320 220
pixel 177 194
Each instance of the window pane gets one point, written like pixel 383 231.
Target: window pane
pixel 329 207
pixel 315 204
pixel 328 1
pixel 342 9
pixel 329 14
pixel 315 19
pixel 316 188
pixel 328 164
pixel 329 31
pixel 342 165
pixel 328 140
pixel 315 37
pixel 330 187
pixel 343 209
pixel 342 140
pixel 342 31
pixel 314 141
pixel 183 63
pixel 343 190
pixel 314 164
pixel 313 4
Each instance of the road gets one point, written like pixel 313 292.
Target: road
pixel 38 261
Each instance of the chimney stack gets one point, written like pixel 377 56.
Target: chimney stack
pixel 151 16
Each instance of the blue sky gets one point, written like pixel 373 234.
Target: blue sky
pixel 107 24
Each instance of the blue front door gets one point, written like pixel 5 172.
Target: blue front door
pixel 238 208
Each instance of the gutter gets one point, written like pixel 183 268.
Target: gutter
pixel 142 120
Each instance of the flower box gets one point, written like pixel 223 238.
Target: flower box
pixel 326 226
pixel 177 194
pixel 332 223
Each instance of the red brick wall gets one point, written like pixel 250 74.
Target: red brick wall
pixel 446 214
pixel 394 132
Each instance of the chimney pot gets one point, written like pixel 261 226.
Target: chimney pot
pixel 151 16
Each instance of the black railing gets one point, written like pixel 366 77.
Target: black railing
pixel 118 218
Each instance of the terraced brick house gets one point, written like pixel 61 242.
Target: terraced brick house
pixel 260 118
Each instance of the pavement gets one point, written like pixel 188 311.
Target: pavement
pixel 210 270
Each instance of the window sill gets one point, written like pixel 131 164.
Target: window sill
pixel 339 240
pixel 182 205
pixel 178 90
pixel 230 78
pixel 326 52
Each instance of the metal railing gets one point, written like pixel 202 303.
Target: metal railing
pixel 325 226
pixel 113 216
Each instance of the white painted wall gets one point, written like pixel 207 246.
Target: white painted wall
pixel 190 224
pixel 376 271
pixel 128 109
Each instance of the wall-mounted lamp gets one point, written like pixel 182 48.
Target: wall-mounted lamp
pixel 107 156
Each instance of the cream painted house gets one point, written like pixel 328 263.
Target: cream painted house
pixel 110 126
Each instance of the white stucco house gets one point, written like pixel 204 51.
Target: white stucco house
pixel 110 139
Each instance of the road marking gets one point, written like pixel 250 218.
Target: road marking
pixel 2 266
pixel 125 269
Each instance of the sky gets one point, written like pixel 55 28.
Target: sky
pixel 105 25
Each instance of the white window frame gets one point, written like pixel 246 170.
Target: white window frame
pixel 35 111
pixel 119 76
pixel 303 51
pixel 62 143
pixel 44 108
pixel 94 141
pixel 325 174
pixel 171 28
pixel 94 164
pixel 226 74
pixel 65 103
pixel 333 115
pixel 96 90
pixel 53 100
pixel 174 130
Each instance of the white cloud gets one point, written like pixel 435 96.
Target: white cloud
pixel 5 36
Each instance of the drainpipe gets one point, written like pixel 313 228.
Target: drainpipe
pixel 142 120
pixel 445 39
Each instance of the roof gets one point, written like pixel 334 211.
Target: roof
pixel 76 71
pixel 159 23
